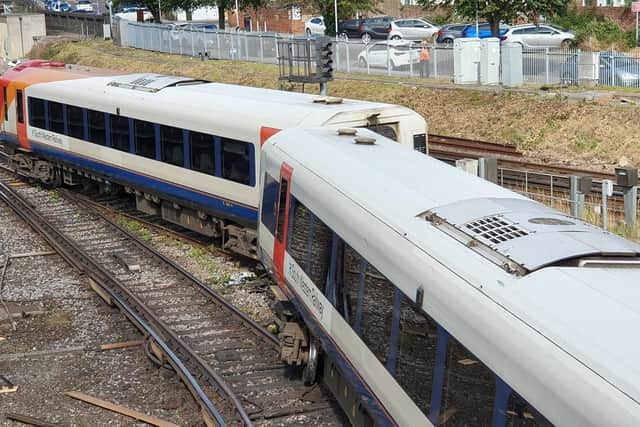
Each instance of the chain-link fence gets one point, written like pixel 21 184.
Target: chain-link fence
pixel 391 58
pixel 382 58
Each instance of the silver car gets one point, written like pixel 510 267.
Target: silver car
pixel 539 36
pixel 412 29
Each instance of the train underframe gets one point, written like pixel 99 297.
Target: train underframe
pixel 231 235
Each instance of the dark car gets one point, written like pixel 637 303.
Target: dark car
pixel 365 29
pixel 449 32
pixel 484 29
pixel 616 69
pixel 349 28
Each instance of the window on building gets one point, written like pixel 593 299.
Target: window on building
pixel 119 127
pixel 56 117
pixel 172 145
pixel 75 122
pixel 236 161
pixel 145 139
pixel 36 113
pixel 96 123
pixel 202 153
pixel 19 106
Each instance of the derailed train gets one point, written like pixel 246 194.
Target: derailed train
pixel 188 149
pixel 430 296
pixel 442 298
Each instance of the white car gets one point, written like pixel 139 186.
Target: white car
pixel 399 53
pixel 412 29
pixel 315 26
pixel 538 36
pixel 84 6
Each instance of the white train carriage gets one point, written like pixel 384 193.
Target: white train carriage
pixel 188 148
pixel 440 298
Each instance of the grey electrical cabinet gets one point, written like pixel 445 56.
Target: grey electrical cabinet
pixel 466 60
pixel 490 61
pixel 512 64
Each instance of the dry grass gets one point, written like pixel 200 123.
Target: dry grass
pixel 588 133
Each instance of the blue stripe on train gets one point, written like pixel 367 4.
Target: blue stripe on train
pixel 238 213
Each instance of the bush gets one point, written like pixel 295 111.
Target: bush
pixel 595 31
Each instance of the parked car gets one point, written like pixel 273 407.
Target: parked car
pixel 375 28
pixel 484 30
pixel 84 6
pixel 448 33
pixel 412 29
pixel 315 26
pixel 349 28
pixel 365 29
pixel 615 69
pixel 60 6
pixel 539 36
pixel 399 52
pixel 48 4
pixel 201 26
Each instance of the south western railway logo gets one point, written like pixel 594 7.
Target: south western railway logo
pixel 309 290
pixel 47 136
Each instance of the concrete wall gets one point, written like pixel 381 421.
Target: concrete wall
pixel 15 26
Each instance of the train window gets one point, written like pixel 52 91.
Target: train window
pixel 5 101
pixel 309 243
pixel 145 139
pixel 36 113
pixel 377 307
pixel 172 145
pixel 119 127
pixel 519 413
pixel 467 394
pixel 55 117
pixel 75 122
pixel 96 122
pixel 19 106
pixel 202 152
pixel 269 202
pixel 282 206
pixel 385 130
pixel 236 161
pixel 416 353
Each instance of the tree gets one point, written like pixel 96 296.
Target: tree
pixel 346 9
pixel 496 11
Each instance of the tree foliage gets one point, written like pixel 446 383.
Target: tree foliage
pixel 496 11
pixel 346 9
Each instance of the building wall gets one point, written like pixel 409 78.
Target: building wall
pixel 12 27
pixel 279 20
pixel 621 15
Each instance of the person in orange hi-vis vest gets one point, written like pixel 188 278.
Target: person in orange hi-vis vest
pixel 425 56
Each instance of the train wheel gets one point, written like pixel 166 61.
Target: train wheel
pixel 310 371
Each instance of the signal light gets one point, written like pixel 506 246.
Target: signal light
pixel 324 58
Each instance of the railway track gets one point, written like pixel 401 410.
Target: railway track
pixel 230 364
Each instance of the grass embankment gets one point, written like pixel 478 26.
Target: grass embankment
pixel 587 133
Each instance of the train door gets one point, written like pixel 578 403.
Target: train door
pixel 21 126
pixel 282 222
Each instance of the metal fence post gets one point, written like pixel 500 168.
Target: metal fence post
pixel 246 47
pixel 410 62
pixel 346 46
pixel 607 190
pixel 573 195
pixel 630 206
pixel 435 62
pixel 367 55
pixel 261 48
pixel 193 44
pixel 388 60
pixel 546 65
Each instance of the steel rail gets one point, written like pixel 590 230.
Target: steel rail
pixel 133 308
